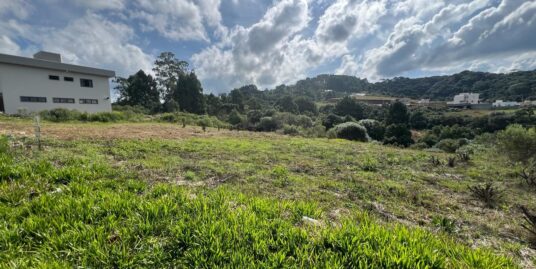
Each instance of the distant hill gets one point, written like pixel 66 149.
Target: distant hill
pixel 512 86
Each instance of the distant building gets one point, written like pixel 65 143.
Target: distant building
pixel 528 103
pixel 44 82
pixel 465 98
pixel 374 100
pixel 501 103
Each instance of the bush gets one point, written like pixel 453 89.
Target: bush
pixel 518 143
pixel 60 115
pixel 267 124
pixel 375 129
pixel 351 131
pixel 451 145
pixel 398 134
pixel 291 130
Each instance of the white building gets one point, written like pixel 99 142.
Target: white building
pixel 501 103
pixel 44 82
pixel 465 98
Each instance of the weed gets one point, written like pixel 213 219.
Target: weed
pixel 464 157
pixel 451 161
pixel 530 224
pixel 445 224
pixel 487 193
pixel 434 161
pixel 528 174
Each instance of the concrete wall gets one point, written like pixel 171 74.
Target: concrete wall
pixel 16 81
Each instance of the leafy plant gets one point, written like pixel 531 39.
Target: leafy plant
pixel 464 157
pixel 445 224
pixel 528 173
pixel 530 223
pixel 451 161
pixel 487 193
pixel 435 161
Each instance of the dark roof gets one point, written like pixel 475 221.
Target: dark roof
pixel 30 62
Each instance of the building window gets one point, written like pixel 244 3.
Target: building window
pixel 86 83
pixel 63 100
pixel 32 99
pixel 52 77
pixel 89 101
pixel 70 79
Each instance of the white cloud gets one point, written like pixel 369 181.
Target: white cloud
pixel 350 19
pixel 21 9
pixel 100 4
pixel 180 19
pixel 7 46
pixel 474 34
pixel 269 52
pixel 94 41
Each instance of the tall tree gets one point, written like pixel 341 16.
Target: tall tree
pixel 189 94
pixel 168 70
pixel 398 114
pixel 349 106
pixel 138 89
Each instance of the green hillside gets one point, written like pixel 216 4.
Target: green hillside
pixel 517 86
pixel 239 199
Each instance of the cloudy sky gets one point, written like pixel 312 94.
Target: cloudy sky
pixel 230 43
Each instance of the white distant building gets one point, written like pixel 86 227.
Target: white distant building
pixel 501 103
pixel 465 98
pixel 44 82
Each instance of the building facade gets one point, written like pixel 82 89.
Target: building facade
pixel 44 83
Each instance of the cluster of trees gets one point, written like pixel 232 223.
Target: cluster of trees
pixel 517 86
pixel 298 109
pixel 174 84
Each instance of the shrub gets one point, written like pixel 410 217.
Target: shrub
pixel 267 124
pixel 464 156
pixel 450 145
pixel 430 139
pixel 375 129
pixel 60 115
pixel 351 131
pixel 518 143
pixel 291 130
pixel 487 193
pixel 398 134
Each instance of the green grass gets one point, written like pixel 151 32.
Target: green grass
pixel 239 202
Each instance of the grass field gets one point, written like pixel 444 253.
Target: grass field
pixel 158 195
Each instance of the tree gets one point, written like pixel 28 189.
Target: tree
pixel 375 129
pixel 398 114
pixel 213 104
pixel 168 70
pixel 418 120
pixel 398 134
pixel 349 106
pixel 287 104
pixel 237 98
pixel 139 89
pixel 306 105
pixel 189 94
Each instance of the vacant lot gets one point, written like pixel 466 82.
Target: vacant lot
pixel 153 195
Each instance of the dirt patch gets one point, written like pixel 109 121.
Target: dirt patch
pixel 74 131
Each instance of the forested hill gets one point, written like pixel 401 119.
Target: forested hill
pixel 512 86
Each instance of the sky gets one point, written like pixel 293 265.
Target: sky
pixel 230 43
